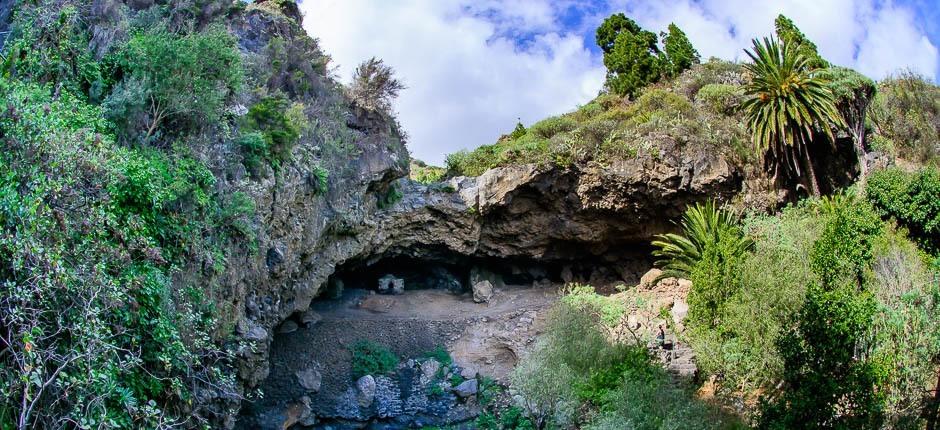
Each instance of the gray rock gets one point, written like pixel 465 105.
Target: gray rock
pixel 288 326
pixel 482 291
pixel 365 391
pixel 467 388
pixel 680 310
pixel 309 318
pixel 468 373
pixel 430 368
pixel 310 379
pixel 256 333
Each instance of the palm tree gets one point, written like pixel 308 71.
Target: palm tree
pixel 703 226
pixel 786 103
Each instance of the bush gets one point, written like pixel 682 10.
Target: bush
pixel 906 112
pixel 913 199
pixel 374 85
pixel 94 235
pixel 843 252
pixel 369 358
pixel 721 98
pixel 549 127
pixel 180 79
pixel 906 331
pixel 272 117
pixel 441 355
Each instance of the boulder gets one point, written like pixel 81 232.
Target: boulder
pixel 389 284
pixel 649 278
pixel 310 379
pixel 680 309
pixel 288 326
pixel 365 391
pixel 466 388
pixel 309 318
pixel 482 291
pixel 430 368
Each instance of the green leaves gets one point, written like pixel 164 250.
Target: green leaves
pixel 633 57
pixel 786 102
pixel 183 79
pixel 913 199
pixel 704 228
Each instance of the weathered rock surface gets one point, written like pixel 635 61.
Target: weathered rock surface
pixel 482 291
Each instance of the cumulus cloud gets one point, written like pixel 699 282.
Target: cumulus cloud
pixel 473 67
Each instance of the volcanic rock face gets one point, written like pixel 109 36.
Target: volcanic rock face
pixel 607 213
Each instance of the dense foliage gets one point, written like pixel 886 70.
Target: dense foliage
pixel 370 358
pixel 906 118
pixel 579 376
pixel 661 119
pixel 633 56
pixel 913 199
pixel 785 103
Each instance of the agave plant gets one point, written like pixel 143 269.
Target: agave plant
pixel 786 104
pixel 703 226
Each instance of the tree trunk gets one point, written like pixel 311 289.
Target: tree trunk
pixel 810 173
pixel 932 409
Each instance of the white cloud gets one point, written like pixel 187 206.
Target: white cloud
pixel 468 79
pixel 467 82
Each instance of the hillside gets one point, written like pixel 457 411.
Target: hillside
pixel 203 228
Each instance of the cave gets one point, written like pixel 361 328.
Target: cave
pixel 435 307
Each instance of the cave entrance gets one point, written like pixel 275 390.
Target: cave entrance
pixel 312 383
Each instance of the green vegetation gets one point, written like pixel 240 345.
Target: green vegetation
pixel 173 82
pixel 785 102
pixel 633 57
pixel 374 85
pixel 370 358
pixel 90 308
pixel 578 376
pixel 913 199
pixel 441 355
pixel 660 120
pixel 831 260
pixel 425 174
pixel 906 118
pixel 273 129
pixel 788 34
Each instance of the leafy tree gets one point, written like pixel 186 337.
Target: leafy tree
pixel 829 379
pixel 374 85
pixel 787 32
pixel 680 54
pixel 786 102
pixel 631 54
pixel 184 79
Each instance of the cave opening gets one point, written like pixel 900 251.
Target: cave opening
pixel 412 303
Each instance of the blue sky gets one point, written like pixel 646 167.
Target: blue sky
pixel 473 67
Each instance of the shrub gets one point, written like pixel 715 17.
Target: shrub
pixel 680 54
pixel 319 176
pixel 843 252
pixel 369 358
pixel 721 98
pixel 906 111
pixel 441 355
pixel 183 79
pixel 391 196
pixel 913 199
pixel 906 331
pixel 374 85
pixel 425 174
pixel 254 149
pixel 549 127
pixel 98 333
pixel 270 116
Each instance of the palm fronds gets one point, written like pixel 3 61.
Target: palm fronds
pixel 703 226
pixel 786 103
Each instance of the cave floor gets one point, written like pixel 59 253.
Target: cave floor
pixel 485 338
